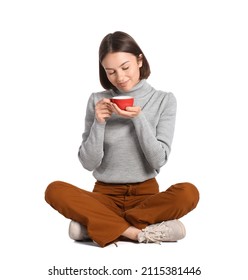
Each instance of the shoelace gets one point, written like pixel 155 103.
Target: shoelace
pixel 157 233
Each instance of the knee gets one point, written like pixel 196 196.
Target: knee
pixel 52 191
pixel 187 194
pixel 191 194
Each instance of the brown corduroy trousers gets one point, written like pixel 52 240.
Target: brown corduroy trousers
pixel 110 209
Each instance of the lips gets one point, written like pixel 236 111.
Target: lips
pixel 123 84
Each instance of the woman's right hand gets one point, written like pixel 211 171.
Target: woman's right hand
pixel 103 110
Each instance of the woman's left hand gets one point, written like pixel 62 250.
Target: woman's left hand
pixel 130 112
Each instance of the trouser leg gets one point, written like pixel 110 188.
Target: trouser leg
pixel 174 203
pixel 100 215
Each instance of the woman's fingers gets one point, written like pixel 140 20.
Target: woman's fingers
pixel 130 112
pixel 103 110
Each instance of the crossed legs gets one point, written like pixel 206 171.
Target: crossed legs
pixel 106 219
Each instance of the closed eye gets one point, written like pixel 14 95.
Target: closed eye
pixel 110 73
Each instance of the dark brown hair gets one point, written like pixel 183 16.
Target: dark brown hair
pixel 120 42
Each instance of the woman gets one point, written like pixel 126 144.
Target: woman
pixel 125 149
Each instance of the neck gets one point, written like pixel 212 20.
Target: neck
pixel 139 89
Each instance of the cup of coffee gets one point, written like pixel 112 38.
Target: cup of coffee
pixel 123 101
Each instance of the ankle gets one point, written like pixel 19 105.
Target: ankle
pixel 131 233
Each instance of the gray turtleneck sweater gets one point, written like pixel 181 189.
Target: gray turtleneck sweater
pixel 129 150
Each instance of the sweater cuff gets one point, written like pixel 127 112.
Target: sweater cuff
pixel 99 125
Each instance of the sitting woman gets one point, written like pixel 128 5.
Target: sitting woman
pixel 125 149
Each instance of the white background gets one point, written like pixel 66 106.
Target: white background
pixel 49 67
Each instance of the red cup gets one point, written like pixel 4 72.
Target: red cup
pixel 123 101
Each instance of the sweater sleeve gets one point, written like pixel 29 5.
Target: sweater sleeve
pixel 157 146
pixel 91 150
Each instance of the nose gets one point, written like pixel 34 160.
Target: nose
pixel 120 76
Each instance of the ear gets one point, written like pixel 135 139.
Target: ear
pixel 140 60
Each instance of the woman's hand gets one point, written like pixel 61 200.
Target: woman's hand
pixel 103 110
pixel 130 112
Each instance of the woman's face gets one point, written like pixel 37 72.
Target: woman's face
pixel 122 69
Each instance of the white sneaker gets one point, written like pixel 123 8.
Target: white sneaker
pixel 78 232
pixel 172 230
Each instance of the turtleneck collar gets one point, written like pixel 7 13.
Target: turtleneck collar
pixel 138 91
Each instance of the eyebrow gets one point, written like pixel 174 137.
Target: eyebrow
pixel 119 66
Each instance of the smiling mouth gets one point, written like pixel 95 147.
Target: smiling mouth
pixel 123 84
